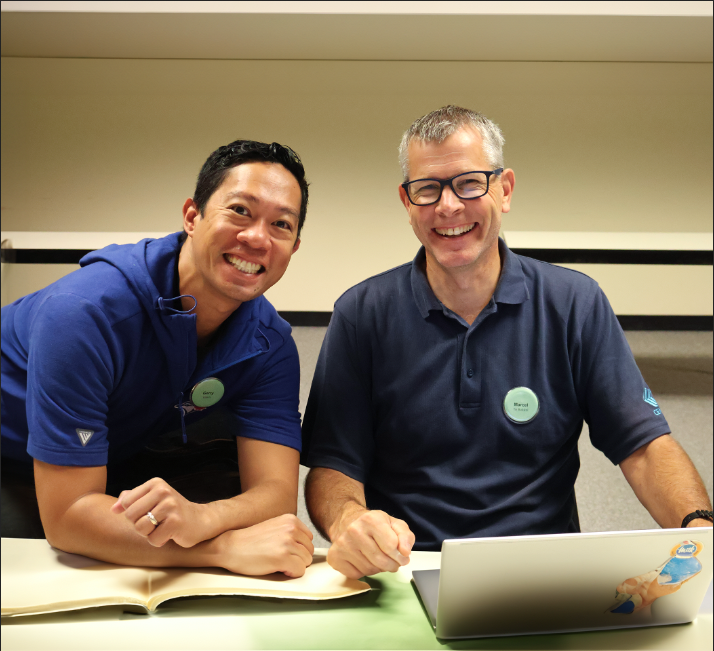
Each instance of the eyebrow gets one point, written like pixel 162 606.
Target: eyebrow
pixel 251 197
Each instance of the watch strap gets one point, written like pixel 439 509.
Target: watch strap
pixel 696 515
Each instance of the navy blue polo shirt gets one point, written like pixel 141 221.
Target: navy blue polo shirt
pixel 407 398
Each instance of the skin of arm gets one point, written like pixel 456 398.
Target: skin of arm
pixel 78 518
pixel 364 542
pixel 666 482
pixel 269 480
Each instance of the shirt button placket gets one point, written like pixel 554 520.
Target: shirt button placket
pixel 470 394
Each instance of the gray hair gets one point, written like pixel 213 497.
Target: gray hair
pixel 438 125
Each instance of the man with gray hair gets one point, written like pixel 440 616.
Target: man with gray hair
pixel 450 392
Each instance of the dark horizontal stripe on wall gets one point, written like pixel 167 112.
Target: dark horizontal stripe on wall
pixel 666 322
pixel 556 256
pixel 628 321
pixel 44 256
pixel 307 318
pixel 613 256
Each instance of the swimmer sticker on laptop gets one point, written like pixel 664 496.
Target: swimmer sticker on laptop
pixel 641 591
pixel 521 405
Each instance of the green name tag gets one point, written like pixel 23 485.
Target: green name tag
pixel 207 392
pixel 521 405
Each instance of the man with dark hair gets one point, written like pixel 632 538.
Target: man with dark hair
pixel 450 392
pixel 154 337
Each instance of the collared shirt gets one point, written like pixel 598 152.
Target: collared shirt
pixel 408 399
pixel 98 362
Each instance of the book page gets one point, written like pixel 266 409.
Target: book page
pixel 37 578
pixel 319 582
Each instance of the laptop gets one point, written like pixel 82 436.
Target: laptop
pixel 526 585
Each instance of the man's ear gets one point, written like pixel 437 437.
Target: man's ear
pixel 405 200
pixel 190 216
pixel 508 182
pixel 297 245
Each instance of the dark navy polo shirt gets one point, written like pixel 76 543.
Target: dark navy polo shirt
pixel 407 398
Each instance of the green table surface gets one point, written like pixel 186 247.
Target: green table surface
pixel 390 616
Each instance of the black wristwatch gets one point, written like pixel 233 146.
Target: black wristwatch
pixel 703 515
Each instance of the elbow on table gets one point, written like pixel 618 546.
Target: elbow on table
pixel 58 537
pixel 68 530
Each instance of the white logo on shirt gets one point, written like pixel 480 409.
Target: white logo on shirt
pixel 84 436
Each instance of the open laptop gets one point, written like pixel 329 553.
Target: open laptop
pixel 567 582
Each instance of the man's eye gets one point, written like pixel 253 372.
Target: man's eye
pixel 241 210
pixel 470 184
pixel 284 224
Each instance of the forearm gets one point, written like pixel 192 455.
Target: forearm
pixel 264 501
pixel 333 500
pixel 666 482
pixel 364 542
pixel 88 527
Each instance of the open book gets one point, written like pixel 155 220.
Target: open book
pixel 37 578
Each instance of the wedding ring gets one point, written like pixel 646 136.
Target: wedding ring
pixel 152 519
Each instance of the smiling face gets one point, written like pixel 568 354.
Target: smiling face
pixel 243 242
pixel 458 235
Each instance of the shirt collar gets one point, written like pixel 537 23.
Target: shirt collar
pixel 511 287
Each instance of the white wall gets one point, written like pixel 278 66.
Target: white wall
pixel 115 145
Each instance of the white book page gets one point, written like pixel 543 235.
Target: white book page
pixel 39 579
pixel 319 582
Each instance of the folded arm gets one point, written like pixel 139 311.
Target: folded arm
pixel 269 480
pixel 269 487
pixel 666 482
pixel 364 542
pixel 78 517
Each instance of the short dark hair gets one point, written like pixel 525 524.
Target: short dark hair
pixel 214 170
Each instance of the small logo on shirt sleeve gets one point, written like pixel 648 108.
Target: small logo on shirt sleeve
pixel 649 399
pixel 84 435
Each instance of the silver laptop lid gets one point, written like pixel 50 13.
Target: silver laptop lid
pixel 572 582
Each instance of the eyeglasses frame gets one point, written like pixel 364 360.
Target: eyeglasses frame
pixel 450 183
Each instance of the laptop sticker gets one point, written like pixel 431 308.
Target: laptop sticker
pixel 641 591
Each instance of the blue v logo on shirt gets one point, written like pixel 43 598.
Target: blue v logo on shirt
pixel 649 399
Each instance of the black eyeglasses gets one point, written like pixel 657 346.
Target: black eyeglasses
pixel 469 185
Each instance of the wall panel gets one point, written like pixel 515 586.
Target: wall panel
pixel 115 145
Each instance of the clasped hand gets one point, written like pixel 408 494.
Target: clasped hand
pixel 281 544
pixel 184 522
pixel 370 542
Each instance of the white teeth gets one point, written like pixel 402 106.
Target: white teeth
pixel 454 231
pixel 244 265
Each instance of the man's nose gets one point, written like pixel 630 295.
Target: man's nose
pixel 256 235
pixel 449 202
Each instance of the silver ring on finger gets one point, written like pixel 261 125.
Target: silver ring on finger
pixel 152 519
